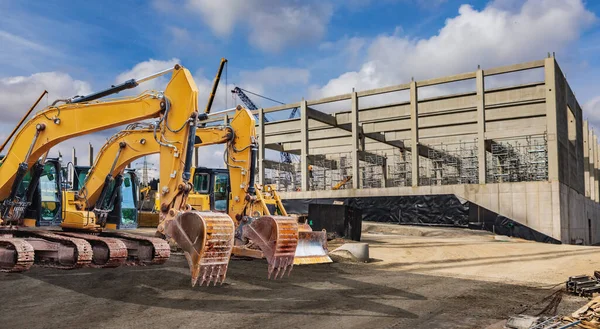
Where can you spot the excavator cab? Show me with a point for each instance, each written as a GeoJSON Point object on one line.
{"type": "Point", "coordinates": [124, 206]}
{"type": "Point", "coordinates": [211, 189]}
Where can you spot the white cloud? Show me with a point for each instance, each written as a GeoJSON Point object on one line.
{"type": "Point", "coordinates": [502, 33]}
{"type": "Point", "coordinates": [18, 93]}
{"type": "Point", "coordinates": [273, 25]}
{"type": "Point", "coordinates": [147, 68]}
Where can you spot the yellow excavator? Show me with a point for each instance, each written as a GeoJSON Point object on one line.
{"type": "Point", "coordinates": [207, 238]}
{"type": "Point", "coordinates": [213, 189]}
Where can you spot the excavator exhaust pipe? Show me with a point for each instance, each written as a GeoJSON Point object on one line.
{"type": "Point", "coordinates": [277, 238]}
{"type": "Point", "coordinates": [207, 241]}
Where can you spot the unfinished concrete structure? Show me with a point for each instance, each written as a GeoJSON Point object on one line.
{"type": "Point", "coordinates": [521, 150]}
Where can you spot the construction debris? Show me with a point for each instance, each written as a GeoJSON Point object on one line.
{"type": "Point", "coordinates": [584, 285]}
{"type": "Point", "coordinates": [587, 317]}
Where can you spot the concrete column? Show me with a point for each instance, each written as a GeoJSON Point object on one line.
{"type": "Point", "coordinates": [586, 155]}
{"type": "Point", "coordinates": [91, 153]}
{"type": "Point", "coordinates": [261, 146]}
{"type": "Point", "coordinates": [481, 126]}
{"type": "Point", "coordinates": [304, 145]}
{"type": "Point", "coordinates": [355, 140]}
{"type": "Point", "coordinates": [74, 157]}
{"type": "Point", "coordinates": [226, 119]}
{"type": "Point", "coordinates": [551, 123]}
{"type": "Point", "coordinates": [414, 133]}
{"type": "Point", "coordinates": [596, 171]}
{"type": "Point", "coordinates": [384, 171]}
{"type": "Point", "coordinates": [592, 164]}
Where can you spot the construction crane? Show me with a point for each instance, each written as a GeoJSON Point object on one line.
{"type": "Point", "coordinates": [241, 93]}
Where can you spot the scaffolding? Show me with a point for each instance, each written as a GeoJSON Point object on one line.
{"type": "Point", "coordinates": [282, 178]}
{"type": "Point", "coordinates": [448, 164]}
{"type": "Point", "coordinates": [373, 170]}
{"type": "Point", "coordinates": [399, 168]}
{"type": "Point", "coordinates": [327, 171]}
{"type": "Point", "coordinates": [518, 160]}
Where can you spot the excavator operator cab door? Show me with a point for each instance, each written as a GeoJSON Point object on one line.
{"type": "Point", "coordinates": [220, 195]}
{"type": "Point", "coordinates": [46, 204]}
{"type": "Point", "coordinates": [124, 214]}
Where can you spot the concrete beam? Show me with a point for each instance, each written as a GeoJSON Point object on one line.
{"type": "Point", "coordinates": [321, 117]}
{"type": "Point", "coordinates": [515, 67]}
{"type": "Point", "coordinates": [447, 79]}
{"type": "Point", "coordinates": [331, 120]}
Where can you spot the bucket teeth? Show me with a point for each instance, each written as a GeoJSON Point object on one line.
{"type": "Point", "coordinates": [281, 264]}
{"type": "Point", "coordinates": [211, 273]}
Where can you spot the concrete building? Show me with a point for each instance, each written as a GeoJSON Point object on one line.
{"type": "Point", "coordinates": [521, 150]}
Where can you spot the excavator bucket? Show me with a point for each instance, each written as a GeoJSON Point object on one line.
{"type": "Point", "coordinates": [312, 246]}
{"type": "Point", "coordinates": [277, 238]}
{"type": "Point", "coordinates": [207, 240]}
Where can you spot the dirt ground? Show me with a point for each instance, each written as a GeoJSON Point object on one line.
{"type": "Point", "coordinates": [418, 278]}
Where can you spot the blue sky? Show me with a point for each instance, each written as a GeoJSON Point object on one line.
{"type": "Point", "coordinates": [286, 49]}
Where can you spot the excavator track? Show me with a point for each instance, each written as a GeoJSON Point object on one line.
{"type": "Point", "coordinates": [107, 252]}
{"type": "Point", "coordinates": [142, 250]}
{"type": "Point", "coordinates": [16, 255]}
{"type": "Point", "coordinates": [53, 250]}
{"type": "Point", "coordinates": [277, 238]}
{"type": "Point", "coordinates": [207, 241]}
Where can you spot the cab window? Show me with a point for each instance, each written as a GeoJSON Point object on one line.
{"type": "Point", "coordinates": [201, 182]}
{"type": "Point", "coordinates": [221, 192]}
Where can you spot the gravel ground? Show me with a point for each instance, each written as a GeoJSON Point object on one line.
{"type": "Point", "coordinates": [393, 291]}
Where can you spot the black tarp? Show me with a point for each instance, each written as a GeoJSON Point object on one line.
{"type": "Point", "coordinates": [429, 210]}
{"type": "Point", "coordinates": [419, 209]}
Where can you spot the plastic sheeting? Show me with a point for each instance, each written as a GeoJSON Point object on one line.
{"type": "Point", "coordinates": [419, 209]}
